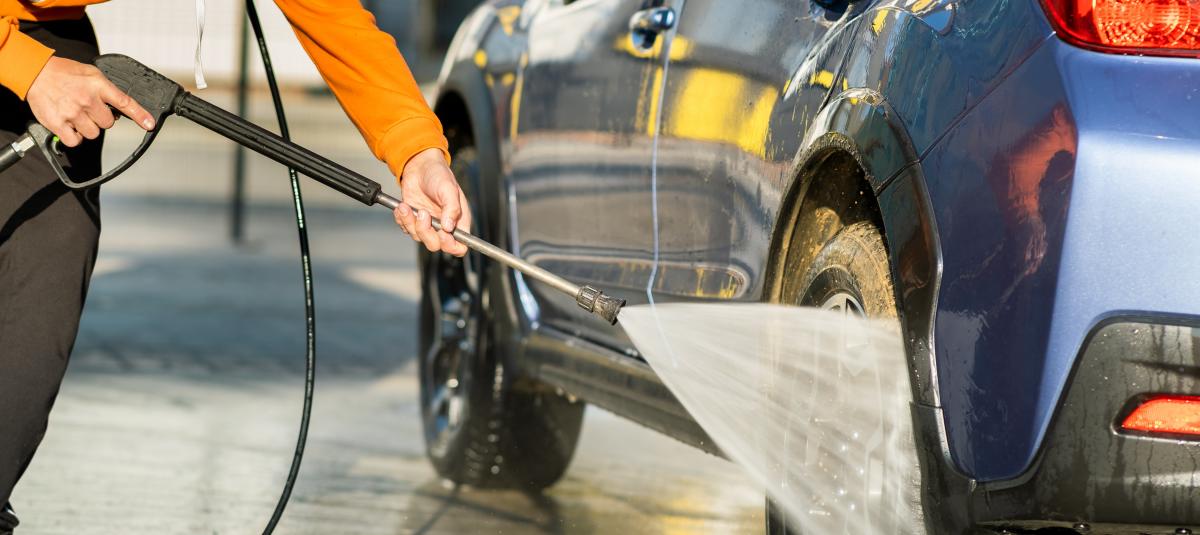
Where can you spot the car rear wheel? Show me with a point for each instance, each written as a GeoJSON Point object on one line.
{"type": "Point", "coordinates": [484, 426]}
{"type": "Point", "coordinates": [850, 275]}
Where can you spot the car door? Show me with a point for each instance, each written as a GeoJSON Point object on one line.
{"type": "Point", "coordinates": [581, 143]}
{"type": "Point", "coordinates": [741, 86]}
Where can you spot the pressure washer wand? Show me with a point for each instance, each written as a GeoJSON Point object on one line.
{"type": "Point", "coordinates": [162, 97]}
{"type": "Point", "coordinates": [587, 297]}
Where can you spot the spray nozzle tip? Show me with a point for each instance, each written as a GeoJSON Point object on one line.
{"type": "Point", "coordinates": [608, 308]}
{"type": "Point", "coordinates": [594, 301]}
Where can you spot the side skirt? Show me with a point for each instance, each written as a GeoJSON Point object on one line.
{"type": "Point", "coordinates": [615, 382]}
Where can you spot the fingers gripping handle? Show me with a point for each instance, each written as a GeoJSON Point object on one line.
{"type": "Point", "coordinates": [155, 92]}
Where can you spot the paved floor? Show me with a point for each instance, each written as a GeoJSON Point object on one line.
{"type": "Point", "coordinates": [181, 404]}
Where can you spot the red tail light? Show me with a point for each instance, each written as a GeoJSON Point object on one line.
{"type": "Point", "coordinates": [1174, 415]}
{"type": "Point", "coordinates": [1157, 27]}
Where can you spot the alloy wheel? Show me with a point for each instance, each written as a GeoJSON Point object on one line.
{"type": "Point", "coordinates": [454, 325]}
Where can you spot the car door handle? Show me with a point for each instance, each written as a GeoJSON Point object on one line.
{"type": "Point", "coordinates": [645, 25]}
{"type": "Point", "coordinates": [653, 20]}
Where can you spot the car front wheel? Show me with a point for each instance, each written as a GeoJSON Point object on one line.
{"type": "Point", "coordinates": [851, 276]}
{"type": "Point", "coordinates": [484, 426]}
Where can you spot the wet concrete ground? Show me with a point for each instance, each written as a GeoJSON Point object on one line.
{"type": "Point", "coordinates": [182, 401]}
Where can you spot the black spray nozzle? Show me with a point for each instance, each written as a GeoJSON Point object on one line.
{"type": "Point", "coordinates": [594, 301]}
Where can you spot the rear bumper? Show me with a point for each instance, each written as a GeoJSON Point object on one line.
{"type": "Point", "coordinates": [1090, 471]}
{"type": "Point", "coordinates": [1066, 198]}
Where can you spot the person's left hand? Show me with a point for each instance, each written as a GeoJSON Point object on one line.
{"type": "Point", "coordinates": [429, 189]}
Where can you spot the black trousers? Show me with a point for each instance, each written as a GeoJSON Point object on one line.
{"type": "Point", "coordinates": [48, 238]}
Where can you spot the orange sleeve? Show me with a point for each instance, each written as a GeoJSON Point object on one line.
{"type": "Point", "coordinates": [368, 76]}
{"type": "Point", "coordinates": [21, 57]}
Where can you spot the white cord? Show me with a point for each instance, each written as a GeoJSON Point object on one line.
{"type": "Point", "coordinates": [201, 83]}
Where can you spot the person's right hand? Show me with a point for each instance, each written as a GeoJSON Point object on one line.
{"type": "Point", "coordinates": [72, 100]}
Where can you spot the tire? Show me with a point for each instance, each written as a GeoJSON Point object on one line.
{"type": "Point", "coordinates": [851, 273]}
{"type": "Point", "coordinates": [483, 426]}
{"type": "Point", "coordinates": [777, 523]}
{"type": "Point", "coordinates": [853, 264]}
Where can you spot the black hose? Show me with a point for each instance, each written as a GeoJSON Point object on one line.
{"type": "Point", "coordinates": [310, 318]}
{"type": "Point", "coordinates": [9, 157]}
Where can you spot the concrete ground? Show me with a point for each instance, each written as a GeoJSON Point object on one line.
{"type": "Point", "coordinates": [182, 401]}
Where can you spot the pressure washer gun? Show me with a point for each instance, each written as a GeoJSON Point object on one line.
{"type": "Point", "coordinates": [163, 97]}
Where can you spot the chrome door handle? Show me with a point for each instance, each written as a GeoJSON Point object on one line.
{"type": "Point", "coordinates": [645, 25]}
{"type": "Point", "coordinates": [656, 19]}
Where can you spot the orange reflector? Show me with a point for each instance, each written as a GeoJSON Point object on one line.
{"type": "Point", "coordinates": [1161, 27]}
{"type": "Point", "coordinates": [1177, 415]}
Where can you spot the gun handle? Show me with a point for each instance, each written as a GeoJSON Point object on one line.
{"type": "Point", "coordinates": [153, 91]}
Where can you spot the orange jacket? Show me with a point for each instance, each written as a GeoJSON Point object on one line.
{"type": "Point", "coordinates": [358, 61]}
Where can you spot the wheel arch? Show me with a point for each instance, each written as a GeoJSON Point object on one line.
{"type": "Point", "coordinates": [859, 147]}
{"type": "Point", "coordinates": [858, 163]}
{"type": "Point", "coordinates": [825, 196]}
{"type": "Point", "coordinates": [466, 106]}
{"type": "Point", "coordinates": [459, 107]}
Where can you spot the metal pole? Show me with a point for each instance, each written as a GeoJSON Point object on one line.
{"type": "Point", "coordinates": [237, 201]}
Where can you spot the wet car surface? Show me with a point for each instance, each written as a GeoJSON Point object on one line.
{"type": "Point", "coordinates": [1034, 213]}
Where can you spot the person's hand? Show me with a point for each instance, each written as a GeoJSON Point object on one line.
{"type": "Point", "coordinates": [430, 190]}
{"type": "Point", "coordinates": [71, 99]}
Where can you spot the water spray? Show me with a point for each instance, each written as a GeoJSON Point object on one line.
{"type": "Point", "coordinates": [813, 404]}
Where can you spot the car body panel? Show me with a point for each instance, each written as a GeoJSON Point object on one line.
{"type": "Point", "coordinates": [581, 149]}
{"type": "Point", "coordinates": [934, 60]}
{"type": "Point", "coordinates": [726, 139]}
{"type": "Point", "coordinates": [1051, 211]}
{"type": "Point", "coordinates": [1003, 188]}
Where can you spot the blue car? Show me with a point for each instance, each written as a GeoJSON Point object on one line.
{"type": "Point", "coordinates": [1016, 181]}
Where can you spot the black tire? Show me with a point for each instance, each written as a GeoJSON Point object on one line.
{"type": "Point", "coordinates": [854, 263]}
{"type": "Point", "coordinates": [777, 523]}
{"type": "Point", "coordinates": [850, 273]}
{"type": "Point", "coordinates": [483, 426]}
